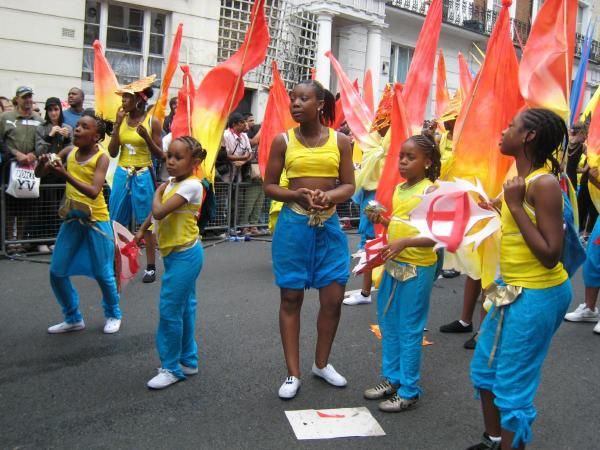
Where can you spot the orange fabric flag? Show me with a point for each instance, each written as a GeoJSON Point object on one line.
{"type": "Point", "coordinates": [465, 77]}
{"type": "Point", "coordinates": [222, 88]}
{"type": "Point", "coordinates": [173, 60]}
{"type": "Point", "coordinates": [546, 64]}
{"type": "Point", "coordinates": [442, 97]}
{"type": "Point", "coordinates": [182, 122]}
{"type": "Point", "coordinates": [390, 176]}
{"type": "Point", "coordinates": [356, 112]}
{"type": "Point", "coordinates": [368, 92]}
{"type": "Point", "coordinates": [420, 73]}
{"type": "Point", "coordinates": [493, 102]}
{"type": "Point", "coordinates": [105, 85]}
{"type": "Point", "coordinates": [277, 118]}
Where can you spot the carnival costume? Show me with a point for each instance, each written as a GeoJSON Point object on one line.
{"type": "Point", "coordinates": [403, 300]}
{"type": "Point", "coordinates": [84, 245]}
{"type": "Point", "coordinates": [515, 336]}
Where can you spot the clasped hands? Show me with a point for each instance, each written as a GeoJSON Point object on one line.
{"type": "Point", "coordinates": [313, 200]}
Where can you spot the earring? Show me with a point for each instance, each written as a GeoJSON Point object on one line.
{"type": "Point", "coordinates": [426, 167]}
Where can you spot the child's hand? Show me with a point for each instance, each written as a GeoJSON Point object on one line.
{"type": "Point", "coordinates": [373, 216]}
{"type": "Point", "coordinates": [161, 189]}
{"type": "Point", "coordinates": [138, 236]}
{"type": "Point", "coordinates": [143, 132]}
{"type": "Point", "coordinates": [393, 249]}
{"type": "Point", "coordinates": [321, 198]}
{"type": "Point", "coordinates": [514, 192]}
{"type": "Point", "coordinates": [57, 168]}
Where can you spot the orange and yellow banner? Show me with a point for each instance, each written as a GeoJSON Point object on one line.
{"type": "Point", "coordinates": [105, 86]}
{"type": "Point", "coordinates": [173, 60]}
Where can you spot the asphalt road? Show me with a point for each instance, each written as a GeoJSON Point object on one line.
{"type": "Point", "coordinates": [88, 390]}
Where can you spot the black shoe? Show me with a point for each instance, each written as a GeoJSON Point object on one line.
{"type": "Point", "coordinates": [486, 444]}
{"type": "Point", "coordinates": [450, 273]}
{"type": "Point", "coordinates": [471, 343]}
{"type": "Point", "coordinates": [149, 276]}
{"type": "Point", "coordinates": [456, 327]}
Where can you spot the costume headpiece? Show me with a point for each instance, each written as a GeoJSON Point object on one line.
{"type": "Point", "coordinates": [137, 86]}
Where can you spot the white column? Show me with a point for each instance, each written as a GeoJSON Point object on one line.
{"type": "Point", "coordinates": [373, 60]}
{"type": "Point", "coordinates": [323, 44]}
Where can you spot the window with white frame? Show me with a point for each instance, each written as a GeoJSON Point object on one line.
{"type": "Point", "coordinates": [400, 59]}
{"type": "Point", "coordinates": [133, 38]}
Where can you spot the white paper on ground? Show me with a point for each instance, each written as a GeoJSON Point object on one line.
{"type": "Point", "coordinates": [333, 423]}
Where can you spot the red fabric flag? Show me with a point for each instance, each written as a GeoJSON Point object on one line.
{"type": "Point", "coordinates": [277, 118]}
{"type": "Point", "coordinates": [313, 73]}
{"type": "Point", "coordinates": [182, 122]}
{"type": "Point", "coordinates": [465, 77]}
{"type": "Point", "coordinates": [356, 112]}
{"type": "Point", "coordinates": [420, 73]}
{"type": "Point", "coordinates": [222, 88]}
{"type": "Point", "coordinates": [368, 92]}
{"type": "Point", "coordinates": [173, 61]}
{"type": "Point", "coordinates": [494, 100]}
{"type": "Point", "coordinates": [442, 97]}
{"type": "Point", "coordinates": [105, 85]}
{"type": "Point", "coordinates": [390, 176]}
{"type": "Point", "coordinates": [546, 64]}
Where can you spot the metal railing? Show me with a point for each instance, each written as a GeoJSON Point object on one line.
{"type": "Point", "coordinates": [239, 206]}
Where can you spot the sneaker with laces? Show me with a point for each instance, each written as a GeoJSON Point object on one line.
{"type": "Point", "coordinates": [289, 388]}
{"type": "Point", "coordinates": [357, 299]}
{"type": "Point", "coordinates": [597, 328]}
{"type": "Point", "coordinates": [187, 371]}
{"type": "Point", "coordinates": [398, 404]}
{"type": "Point", "coordinates": [149, 276]}
{"type": "Point", "coordinates": [65, 327]}
{"type": "Point", "coordinates": [112, 325]}
{"type": "Point", "coordinates": [163, 379]}
{"type": "Point", "coordinates": [583, 314]}
{"type": "Point", "coordinates": [329, 374]}
{"type": "Point", "coordinates": [486, 444]}
{"type": "Point", "coordinates": [383, 389]}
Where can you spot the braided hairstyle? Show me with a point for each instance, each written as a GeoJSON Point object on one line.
{"type": "Point", "coordinates": [550, 136]}
{"type": "Point", "coordinates": [432, 150]}
{"type": "Point", "coordinates": [328, 112]}
{"type": "Point", "coordinates": [194, 146]}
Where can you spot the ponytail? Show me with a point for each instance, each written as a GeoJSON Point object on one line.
{"type": "Point", "coordinates": [327, 116]}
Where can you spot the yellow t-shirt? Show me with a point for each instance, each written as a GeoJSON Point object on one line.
{"type": "Point", "coordinates": [84, 172]}
{"type": "Point", "coordinates": [403, 203]}
{"type": "Point", "coordinates": [518, 265]}
{"type": "Point", "coordinates": [134, 150]}
{"type": "Point", "coordinates": [179, 229]}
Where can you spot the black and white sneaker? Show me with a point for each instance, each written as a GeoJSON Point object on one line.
{"type": "Point", "coordinates": [289, 388]}
{"type": "Point", "coordinates": [486, 444]}
{"type": "Point", "coordinates": [149, 276]}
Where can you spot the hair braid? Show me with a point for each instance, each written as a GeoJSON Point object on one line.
{"type": "Point", "coordinates": [194, 146]}
{"type": "Point", "coordinates": [328, 112]}
{"type": "Point", "coordinates": [550, 134]}
{"type": "Point", "coordinates": [432, 151]}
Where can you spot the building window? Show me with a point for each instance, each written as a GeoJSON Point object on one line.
{"type": "Point", "coordinates": [133, 38]}
{"type": "Point", "coordinates": [400, 59]}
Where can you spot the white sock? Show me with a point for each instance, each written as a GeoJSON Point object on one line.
{"type": "Point", "coordinates": [464, 324]}
{"type": "Point", "coordinates": [495, 438]}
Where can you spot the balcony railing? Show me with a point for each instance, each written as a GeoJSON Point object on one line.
{"type": "Point", "coordinates": [465, 14]}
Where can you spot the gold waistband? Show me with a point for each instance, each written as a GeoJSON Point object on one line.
{"type": "Point", "coordinates": [135, 170]}
{"type": "Point", "coordinates": [315, 218]}
{"type": "Point", "coordinates": [400, 272]}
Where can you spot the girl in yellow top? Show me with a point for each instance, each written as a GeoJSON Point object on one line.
{"type": "Point", "coordinates": [403, 299]}
{"type": "Point", "coordinates": [506, 367]}
{"type": "Point", "coordinates": [84, 245]}
{"type": "Point", "coordinates": [136, 139]}
{"type": "Point", "coordinates": [175, 209]}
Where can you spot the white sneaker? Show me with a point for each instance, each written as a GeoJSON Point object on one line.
{"type": "Point", "coordinates": [329, 374]}
{"type": "Point", "coordinates": [189, 370]}
{"type": "Point", "coordinates": [289, 388]}
{"type": "Point", "coordinates": [162, 380]}
{"type": "Point", "coordinates": [597, 328]}
{"type": "Point", "coordinates": [65, 327]}
{"type": "Point", "coordinates": [583, 314]}
{"type": "Point", "coordinates": [112, 325]}
{"type": "Point", "coordinates": [357, 299]}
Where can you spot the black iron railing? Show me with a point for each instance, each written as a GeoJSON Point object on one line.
{"type": "Point", "coordinates": [466, 14]}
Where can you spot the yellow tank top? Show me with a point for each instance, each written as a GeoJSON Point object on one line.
{"type": "Point", "coordinates": [178, 230]}
{"type": "Point", "coordinates": [301, 161]}
{"type": "Point", "coordinates": [134, 150]}
{"type": "Point", "coordinates": [404, 201]}
{"type": "Point", "coordinates": [518, 264]}
{"type": "Point", "coordinates": [84, 172]}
